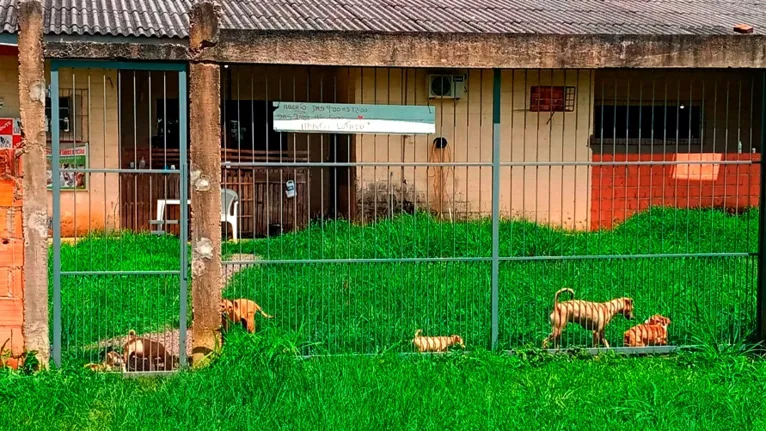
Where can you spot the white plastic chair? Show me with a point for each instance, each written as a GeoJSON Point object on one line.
{"type": "Point", "coordinates": [229, 210]}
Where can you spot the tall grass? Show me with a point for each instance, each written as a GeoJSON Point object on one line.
{"type": "Point", "coordinates": [369, 307]}
{"type": "Point", "coordinates": [259, 384]}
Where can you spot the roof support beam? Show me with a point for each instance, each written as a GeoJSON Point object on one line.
{"type": "Point", "coordinates": [488, 50]}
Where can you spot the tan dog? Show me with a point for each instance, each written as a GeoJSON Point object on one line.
{"type": "Point", "coordinates": [112, 362]}
{"type": "Point", "coordinates": [653, 332]}
{"type": "Point", "coordinates": [593, 316]}
{"type": "Point", "coordinates": [436, 344]}
{"type": "Point", "coordinates": [143, 354]}
{"type": "Point", "coordinates": [240, 311]}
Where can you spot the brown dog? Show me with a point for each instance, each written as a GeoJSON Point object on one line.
{"type": "Point", "coordinates": [240, 311]}
{"type": "Point", "coordinates": [436, 344]}
{"type": "Point", "coordinates": [143, 354]}
{"type": "Point", "coordinates": [653, 332]}
{"type": "Point", "coordinates": [593, 316]}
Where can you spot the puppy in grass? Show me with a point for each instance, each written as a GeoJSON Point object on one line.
{"type": "Point", "coordinates": [593, 316]}
{"type": "Point", "coordinates": [436, 344]}
{"type": "Point", "coordinates": [653, 332]}
{"type": "Point", "coordinates": [241, 311]}
{"type": "Point", "coordinates": [144, 354]}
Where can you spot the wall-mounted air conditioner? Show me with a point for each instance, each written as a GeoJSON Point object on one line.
{"type": "Point", "coordinates": [446, 86]}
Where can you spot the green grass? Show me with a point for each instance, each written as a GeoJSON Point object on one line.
{"type": "Point", "coordinates": [376, 307]}
{"type": "Point", "coordinates": [258, 383]}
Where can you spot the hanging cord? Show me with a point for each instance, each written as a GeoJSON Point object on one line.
{"type": "Point", "coordinates": [439, 175]}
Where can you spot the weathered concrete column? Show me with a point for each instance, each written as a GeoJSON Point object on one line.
{"type": "Point", "coordinates": [35, 207]}
{"type": "Point", "coordinates": [205, 181]}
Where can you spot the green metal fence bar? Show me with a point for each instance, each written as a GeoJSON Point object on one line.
{"type": "Point", "coordinates": [760, 309]}
{"type": "Point", "coordinates": [183, 109]}
{"type": "Point", "coordinates": [496, 96]}
{"type": "Point", "coordinates": [56, 210]}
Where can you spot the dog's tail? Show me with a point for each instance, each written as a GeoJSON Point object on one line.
{"type": "Point", "coordinates": [418, 332]}
{"type": "Point", "coordinates": [263, 313]}
{"type": "Point", "coordinates": [559, 292]}
{"type": "Point", "coordinates": [131, 334]}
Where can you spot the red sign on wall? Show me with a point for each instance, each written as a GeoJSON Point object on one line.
{"type": "Point", "coordinates": [10, 133]}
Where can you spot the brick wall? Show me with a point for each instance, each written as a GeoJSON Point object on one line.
{"type": "Point", "coordinates": [618, 192]}
{"type": "Point", "coordinates": [11, 241]}
{"type": "Point", "coordinates": [11, 253]}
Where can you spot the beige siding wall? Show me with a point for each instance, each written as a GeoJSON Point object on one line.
{"type": "Point", "coordinates": [544, 193]}
{"type": "Point", "coordinates": [9, 83]}
{"type": "Point", "coordinates": [98, 207]}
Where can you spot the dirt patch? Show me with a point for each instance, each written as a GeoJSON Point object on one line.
{"type": "Point", "coordinates": [229, 270]}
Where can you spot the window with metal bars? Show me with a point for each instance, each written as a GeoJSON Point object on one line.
{"type": "Point", "coordinates": [552, 99]}
{"type": "Point", "coordinates": [649, 124]}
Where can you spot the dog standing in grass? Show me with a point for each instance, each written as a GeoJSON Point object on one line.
{"type": "Point", "coordinates": [240, 311]}
{"type": "Point", "coordinates": [593, 316]}
{"type": "Point", "coordinates": [436, 344]}
{"type": "Point", "coordinates": [653, 332]}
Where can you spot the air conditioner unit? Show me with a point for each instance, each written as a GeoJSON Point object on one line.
{"type": "Point", "coordinates": [446, 86]}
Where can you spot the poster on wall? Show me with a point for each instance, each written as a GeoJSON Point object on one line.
{"type": "Point", "coordinates": [70, 158]}
{"type": "Point", "coordinates": [10, 133]}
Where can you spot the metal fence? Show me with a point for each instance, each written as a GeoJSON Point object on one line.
{"type": "Point", "coordinates": [462, 217]}
{"type": "Point", "coordinates": [117, 153]}
{"type": "Point", "coordinates": [615, 183]}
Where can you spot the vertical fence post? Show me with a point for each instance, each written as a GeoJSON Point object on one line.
{"type": "Point", "coordinates": [34, 185]}
{"type": "Point", "coordinates": [495, 202]}
{"type": "Point", "coordinates": [760, 317]}
{"type": "Point", "coordinates": [205, 180]}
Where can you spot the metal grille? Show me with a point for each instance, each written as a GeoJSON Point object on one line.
{"type": "Point", "coordinates": [114, 159]}
{"type": "Point", "coordinates": [646, 189]}
{"type": "Point", "coordinates": [363, 205]}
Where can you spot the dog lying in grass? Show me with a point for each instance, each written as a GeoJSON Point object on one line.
{"type": "Point", "coordinates": [240, 311]}
{"type": "Point", "coordinates": [593, 316]}
{"type": "Point", "coordinates": [143, 354]}
{"type": "Point", "coordinates": [436, 344]}
{"type": "Point", "coordinates": [653, 332]}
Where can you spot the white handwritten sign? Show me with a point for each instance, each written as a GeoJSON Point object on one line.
{"type": "Point", "coordinates": [354, 119]}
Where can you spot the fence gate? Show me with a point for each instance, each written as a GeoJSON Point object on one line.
{"type": "Point", "coordinates": [118, 175]}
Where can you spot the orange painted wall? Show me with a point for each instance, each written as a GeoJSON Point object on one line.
{"type": "Point", "coordinates": [11, 253]}
{"type": "Point", "coordinates": [618, 192]}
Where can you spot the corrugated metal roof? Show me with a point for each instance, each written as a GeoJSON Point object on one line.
{"type": "Point", "coordinates": [170, 18]}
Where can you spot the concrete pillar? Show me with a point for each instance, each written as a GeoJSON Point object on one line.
{"type": "Point", "coordinates": [205, 181]}
{"type": "Point", "coordinates": [32, 91]}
